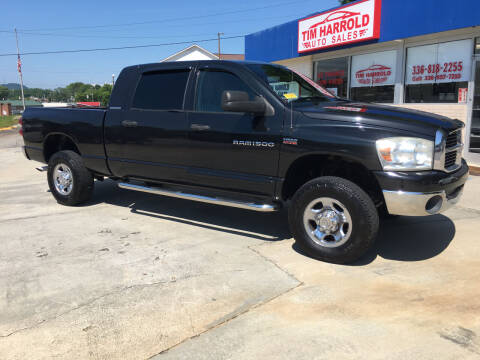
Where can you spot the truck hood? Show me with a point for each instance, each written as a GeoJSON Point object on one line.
{"type": "Point", "coordinates": [380, 115]}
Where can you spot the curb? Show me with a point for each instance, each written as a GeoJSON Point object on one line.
{"type": "Point", "coordinates": [474, 170]}
{"type": "Point", "coordinates": [8, 128]}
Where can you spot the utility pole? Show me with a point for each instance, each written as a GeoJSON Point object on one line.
{"type": "Point", "coordinates": [19, 68]}
{"type": "Point", "coordinates": [219, 52]}
{"type": "Point", "coordinates": [113, 80]}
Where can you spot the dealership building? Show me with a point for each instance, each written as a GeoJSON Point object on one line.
{"type": "Point", "coordinates": [422, 55]}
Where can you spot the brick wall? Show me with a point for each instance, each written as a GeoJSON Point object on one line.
{"type": "Point", "coordinates": [5, 109]}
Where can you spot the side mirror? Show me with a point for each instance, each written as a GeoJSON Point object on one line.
{"type": "Point", "coordinates": [237, 101]}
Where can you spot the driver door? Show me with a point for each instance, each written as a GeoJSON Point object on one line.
{"type": "Point", "coordinates": [231, 150]}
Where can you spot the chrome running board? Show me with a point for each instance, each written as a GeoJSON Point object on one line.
{"type": "Point", "coordinates": [200, 198]}
{"type": "Point", "coordinates": [42, 168]}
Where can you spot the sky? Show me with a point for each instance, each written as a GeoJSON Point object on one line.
{"type": "Point", "coordinates": [68, 25]}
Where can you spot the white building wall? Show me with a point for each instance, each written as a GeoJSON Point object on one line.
{"type": "Point", "coordinates": [303, 65]}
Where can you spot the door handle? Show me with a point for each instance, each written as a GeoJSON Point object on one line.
{"type": "Point", "coordinates": [129, 123]}
{"type": "Point", "coordinates": [199, 127]}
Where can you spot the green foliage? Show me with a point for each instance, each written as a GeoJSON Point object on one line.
{"type": "Point", "coordinates": [3, 92]}
{"type": "Point", "coordinates": [344, 2]}
{"type": "Point", "coordinates": [7, 121]}
{"type": "Point", "coordinates": [73, 92]}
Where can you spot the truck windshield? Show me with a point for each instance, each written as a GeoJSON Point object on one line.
{"type": "Point", "coordinates": [291, 86]}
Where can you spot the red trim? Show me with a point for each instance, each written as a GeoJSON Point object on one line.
{"type": "Point", "coordinates": [377, 14]}
{"type": "Point", "coordinates": [378, 19]}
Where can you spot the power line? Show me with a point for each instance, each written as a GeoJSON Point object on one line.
{"type": "Point", "coordinates": [168, 20]}
{"type": "Point", "coordinates": [119, 48]}
{"type": "Point", "coordinates": [32, 33]}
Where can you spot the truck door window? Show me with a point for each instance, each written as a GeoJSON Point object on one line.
{"type": "Point", "coordinates": [210, 87]}
{"type": "Point", "coordinates": [163, 90]}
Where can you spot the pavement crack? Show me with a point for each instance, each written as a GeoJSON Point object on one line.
{"type": "Point", "coordinates": [275, 264]}
{"type": "Point", "coordinates": [226, 321]}
{"type": "Point", "coordinates": [91, 301]}
{"type": "Point", "coordinates": [245, 310]}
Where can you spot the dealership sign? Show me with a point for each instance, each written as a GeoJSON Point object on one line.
{"type": "Point", "coordinates": [348, 24]}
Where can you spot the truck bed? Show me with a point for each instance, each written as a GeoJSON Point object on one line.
{"type": "Point", "coordinates": [83, 126]}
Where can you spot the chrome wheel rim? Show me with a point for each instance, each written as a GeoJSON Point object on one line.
{"type": "Point", "coordinates": [327, 222]}
{"type": "Point", "coordinates": [63, 179]}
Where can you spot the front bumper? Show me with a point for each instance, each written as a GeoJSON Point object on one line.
{"type": "Point", "coordinates": [422, 193]}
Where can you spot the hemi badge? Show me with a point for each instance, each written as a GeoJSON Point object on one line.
{"type": "Point", "coordinates": [290, 141]}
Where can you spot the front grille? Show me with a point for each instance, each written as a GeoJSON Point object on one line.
{"type": "Point", "coordinates": [450, 159]}
{"type": "Point", "coordinates": [453, 139]}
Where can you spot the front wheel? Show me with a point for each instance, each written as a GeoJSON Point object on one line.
{"type": "Point", "coordinates": [69, 180]}
{"type": "Point", "coordinates": [333, 219]}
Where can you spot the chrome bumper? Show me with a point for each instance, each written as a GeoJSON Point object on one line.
{"type": "Point", "coordinates": [420, 204]}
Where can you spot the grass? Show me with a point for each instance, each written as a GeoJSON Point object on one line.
{"type": "Point", "coordinates": [6, 121]}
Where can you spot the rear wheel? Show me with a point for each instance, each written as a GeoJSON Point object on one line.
{"type": "Point", "coordinates": [69, 180]}
{"type": "Point", "coordinates": [333, 219]}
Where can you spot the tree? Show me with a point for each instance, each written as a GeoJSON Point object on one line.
{"type": "Point", "coordinates": [344, 2]}
{"type": "Point", "coordinates": [3, 92]}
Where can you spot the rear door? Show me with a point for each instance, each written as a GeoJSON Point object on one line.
{"type": "Point", "coordinates": [230, 150]}
{"type": "Point", "coordinates": [148, 139]}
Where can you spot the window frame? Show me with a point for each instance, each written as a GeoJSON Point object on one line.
{"type": "Point", "coordinates": [349, 64]}
{"type": "Point", "coordinates": [160, 70]}
{"type": "Point", "coordinates": [198, 70]}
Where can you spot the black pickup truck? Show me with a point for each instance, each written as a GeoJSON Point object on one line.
{"type": "Point", "coordinates": [255, 136]}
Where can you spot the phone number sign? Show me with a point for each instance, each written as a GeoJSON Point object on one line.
{"type": "Point", "coordinates": [348, 24]}
{"type": "Point", "coordinates": [439, 63]}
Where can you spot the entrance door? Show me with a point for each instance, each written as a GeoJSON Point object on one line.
{"type": "Point", "coordinates": [473, 130]}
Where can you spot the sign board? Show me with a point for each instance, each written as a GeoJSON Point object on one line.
{"type": "Point", "coordinates": [462, 95]}
{"type": "Point", "coordinates": [439, 63]}
{"type": "Point", "coordinates": [376, 69]}
{"type": "Point", "coordinates": [283, 87]}
{"type": "Point", "coordinates": [359, 21]}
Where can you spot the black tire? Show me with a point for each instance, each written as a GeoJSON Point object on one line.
{"type": "Point", "coordinates": [361, 209]}
{"type": "Point", "coordinates": [82, 185]}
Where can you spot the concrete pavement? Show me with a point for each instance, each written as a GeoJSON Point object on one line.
{"type": "Point", "coordinates": [132, 275]}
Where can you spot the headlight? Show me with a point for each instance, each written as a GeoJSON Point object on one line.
{"type": "Point", "coordinates": [405, 153]}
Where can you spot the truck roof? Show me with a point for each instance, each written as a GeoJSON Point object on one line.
{"type": "Point", "coordinates": [168, 64]}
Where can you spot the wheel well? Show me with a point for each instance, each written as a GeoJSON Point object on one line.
{"type": "Point", "coordinates": [312, 166]}
{"type": "Point", "coordinates": [58, 142]}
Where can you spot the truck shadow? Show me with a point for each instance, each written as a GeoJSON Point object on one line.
{"type": "Point", "coordinates": [261, 226]}
{"type": "Point", "coordinates": [400, 239]}
{"type": "Point", "coordinates": [411, 239]}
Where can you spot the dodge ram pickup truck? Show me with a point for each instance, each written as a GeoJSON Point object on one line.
{"type": "Point", "coordinates": [255, 136]}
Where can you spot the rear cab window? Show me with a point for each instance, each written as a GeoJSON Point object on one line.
{"type": "Point", "coordinates": [161, 90]}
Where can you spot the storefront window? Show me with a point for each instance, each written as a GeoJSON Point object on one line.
{"type": "Point", "coordinates": [438, 73]}
{"type": "Point", "coordinates": [333, 75]}
{"type": "Point", "coordinates": [372, 77]}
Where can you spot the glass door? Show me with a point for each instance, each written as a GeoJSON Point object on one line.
{"type": "Point", "coordinates": [473, 130]}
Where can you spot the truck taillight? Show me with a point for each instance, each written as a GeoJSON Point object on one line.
{"type": "Point", "coordinates": [20, 122]}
